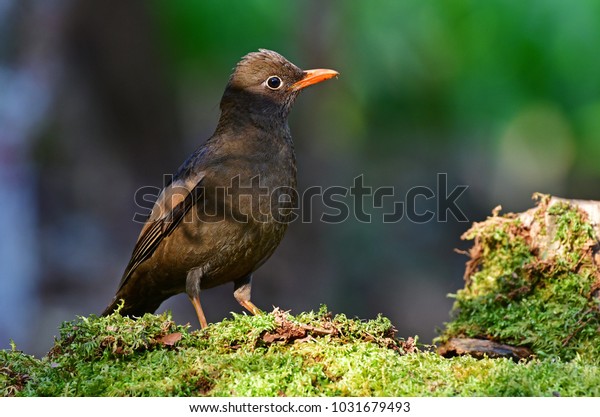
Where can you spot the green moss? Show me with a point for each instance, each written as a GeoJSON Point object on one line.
{"type": "Point", "coordinates": [519, 293]}
{"type": "Point", "coordinates": [116, 356]}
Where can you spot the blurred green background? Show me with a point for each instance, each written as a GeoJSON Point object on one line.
{"type": "Point", "coordinates": [100, 98]}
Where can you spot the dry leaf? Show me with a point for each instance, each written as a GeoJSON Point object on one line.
{"type": "Point", "coordinates": [170, 339]}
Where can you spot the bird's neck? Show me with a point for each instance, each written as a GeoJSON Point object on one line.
{"type": "Point", "coordinates": [243, 110]}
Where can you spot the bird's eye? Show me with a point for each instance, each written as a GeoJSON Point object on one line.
{"type": "Point", "coordinates": [274, 82]}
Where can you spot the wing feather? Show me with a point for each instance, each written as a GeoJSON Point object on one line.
{"type": "Point", "coordinates": [168, 211]}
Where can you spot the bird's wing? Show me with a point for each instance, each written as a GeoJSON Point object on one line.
{"type": "Point", "coordinates": [169, 209]}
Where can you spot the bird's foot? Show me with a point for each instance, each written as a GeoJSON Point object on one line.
{"type": "Point", "coordinates": [248, 305]}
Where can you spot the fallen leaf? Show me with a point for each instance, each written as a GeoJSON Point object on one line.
{"type": "Point", "coordinates": [170, 339]}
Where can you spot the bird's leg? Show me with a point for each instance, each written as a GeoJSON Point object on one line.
{"type": "Point", "coordinates": [192, 288]}
{"type": "Point", "coordinates": [241, 293]}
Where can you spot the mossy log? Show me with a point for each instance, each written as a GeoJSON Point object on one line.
{"type": "Point", "coordinates": [532, 281]}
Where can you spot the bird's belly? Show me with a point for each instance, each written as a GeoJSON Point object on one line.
{"type": "Point", "coordinates": [224, 251]}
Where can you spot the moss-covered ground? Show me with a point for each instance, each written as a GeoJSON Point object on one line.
{"type": "Point", "coordinates": [531, 281]}
{"type": "Point", "coordinates": [258, 356]}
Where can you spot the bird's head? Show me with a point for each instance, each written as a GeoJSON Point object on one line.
{"type": "Point", "coordinates": [265, 82]}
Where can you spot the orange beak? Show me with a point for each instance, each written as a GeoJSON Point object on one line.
{"type": "Point", "coordinates": [313, 76]}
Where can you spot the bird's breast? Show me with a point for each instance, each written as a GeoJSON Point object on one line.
{"type": "Point", "coordinates": [249, 192]}
{"type": "Point", "coordinates": [254, 180]}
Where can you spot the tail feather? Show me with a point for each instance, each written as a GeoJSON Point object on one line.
{"type": "Point", "coordinates": [131, 308]}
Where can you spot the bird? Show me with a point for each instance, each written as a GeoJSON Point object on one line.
{"type": "Point", "coordinates": [227, 207]}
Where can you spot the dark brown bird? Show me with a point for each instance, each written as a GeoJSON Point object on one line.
{"type": "Point", "coordinates": [225, 211]}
